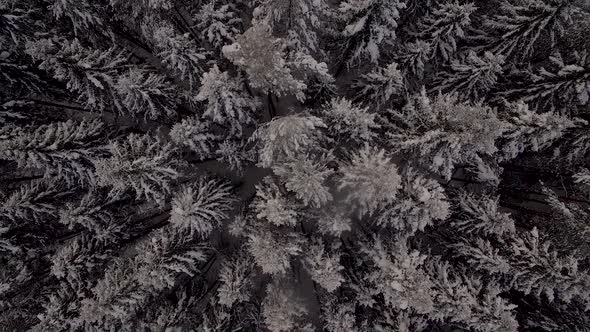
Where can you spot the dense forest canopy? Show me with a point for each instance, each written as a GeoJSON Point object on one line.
{"type": "Point", "coordinates": [294, 165]}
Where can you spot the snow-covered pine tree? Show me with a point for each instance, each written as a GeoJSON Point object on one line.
{"type": "Point", "coordinates": [287, 138]}
{"type": "Point", "coordinates": [253, 51]}
{"type": "Point", "coordinates": [195, 134]}
{"type": "Point", "coordinates": [228, 103]}
{"type": "Point", "coordinates": [137, 8]}
{"type": "Point", "coordinates": [397, 274]}
{"type": "Point", "coordinates": [379, 86]}
{"type": "Point", "coordinates": [307, 179]}
{"type": "Point", "coordinates": [274, 248]}
{"type": "Point", "coordinates": [528, 264]}
{"type": "Point", "coordinates": [300, 21]}
{"type": "Point", "coordinates": [369, 28]}
{"type": "Point", "coordinates": [413, 58]}
{"type": "Point", "coordinates": [445, 27]}
{"type": "Point", "coordinates": [445, 132]}
{"type": "Point", "coordinates": [420, 202]}
{"type": "Point", "coordinates": [471, 76]}
{"type": "Point", "coordinates": [91, 74]}
{"type": "Point", "coordinates": [347, 122]}
{"type": "Point", "coordinates": [178, 52]}
{"type": "Point", "coordinates": [32, 203]}
{"type": "Point", "coordinates": [217, 22]}
{"type": "Point", "coordinates": [324, 266]}
{"type": "Point", "coordinates": [103, 80]}
{"type": "Point", "coordinates": [201, 207]}
{"type": "Point", "coordinates": [84, 16]}
{"type": "Point", "coordinates": [236, 283]}
{"type": "Point", "coordinates": [270, 204]}
{"type": "Point", "coordinates": [129, 284]}
{"type": "Point", "coordinates": [283, 311]}
{"type": "Point", "coordinates": [146, 93]}
{"type": "Point", "coordinates": [370, 180]}
{"type": "Point", "coordinates": [469, 302]}
{"type": "Point", "coordinates": [142, 163]}
{"type": "Point", "coordinates": [94, 213]}
{"type": "Point", "coordinates": [530, 131]}
{"type": "Point", "coordinates": [334, 221]}
{"type": "Point", "coordinates": [559, 87]}
{"type": "Point", "coordinates": [482, 215]}
{"type": "Point", "coordinates": [519, 28]}
{"type": "Point", "coordinates": [63, 149]}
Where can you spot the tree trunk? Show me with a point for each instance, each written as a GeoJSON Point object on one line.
{"type": "Point", "coordinates": [271, 107]}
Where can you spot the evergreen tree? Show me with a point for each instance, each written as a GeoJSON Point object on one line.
{"type": "Point", "coordinates": [370, 179]}
{"type": "Point", "coordinates": [520, 26]}
{"type": "Point", "coordinates": [256, 48]}
{"type": "Point", "coordinates": [200, 207]}
{"type": "Point", "coordinates": [370, 27]}
{"type": "Point", "coordinates": [142, 163]}
{"type": "Point", "coordinates": [195, 134]}
{"type": "Point", "coordinates": [472, 77]}
{"type": "Point", "coordinates": [64, 149]}
{"type": "Point", "coordinates": [91, 74]}
{"type": "Point", "coordinates": [301, 19]}
{"type": "Point", "coordinates": [348, 122]}
{"type": "Point", "coordinates": [178, 52]}
{"type": "Point", "coordinates": [287, 138]}
{"type": "Point", "coordinates": [227, 102]}
{"type": "Point", "coordinates": [445, 27]}
{"type": "Point", "coordinates": [217, 22]}
{"type": "Point", "coordinates": [449, 132]}
{"type": "Point", "coordinates": [380, 85]}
